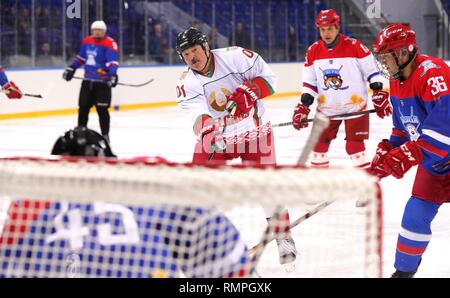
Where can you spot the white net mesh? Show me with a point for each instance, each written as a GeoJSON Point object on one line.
{"type": "Point", "coordinates": [78, 218]}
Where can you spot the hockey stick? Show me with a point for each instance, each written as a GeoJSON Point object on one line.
{"type": "Point", "coordinates": [294, 223]}
{"type": "Point", "coordinates": [231, 108]}
{"type": "Point", "coordinates": [23, 94]}
{"type": "Point", "coordinates": [119, 83]}
{"type": "Point", "coordinates": [256, 251]}
{"type": "Point", "coordinates": [320, 123]}
{"type": "Point", "coordinates": [331, 117]}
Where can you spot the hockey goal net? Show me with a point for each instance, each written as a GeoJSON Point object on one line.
{"type": "Point", "coordinates": [87, 218]}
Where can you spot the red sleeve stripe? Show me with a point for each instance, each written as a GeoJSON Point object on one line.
{"type": "Point", "coordinates": [399, 133]}
{"type": "Point", "coordinates": [313, 88]}
{"type": "Point", "coordinates": [264, 87]}
{"type": "Point", "coordinates": [200, 123]}
{"type": "Point", "coordinates": [80, 59]}
{"type": "Point", "coordinates": [111, 63]}
{"type": "Point", "coordinates": [409, 250]}
{"type": "Point", "coordinates": [430, 148]}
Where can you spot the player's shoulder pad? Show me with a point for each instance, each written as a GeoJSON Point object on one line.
{"type": "Point", "coordinates": [311, 53]}
{"type": "Point", "coordinates": [433, 75]}
{"type": "Point", "coordinates": [233, 51]}
{"type": "Point", "coordinates": [188, 86]}
{"type": "Point", "coordinates": [431, 66]}
{"type": "Point", "coordinates": [110, 43]}
{"type": "Point", "coordinates": [107, 42]}
{"type": "Point", "coordinates": [88, 40]}
{"type": "Point", "coordinates": [350, 41]}
{"type": "Point", "coordinates": [313, 46]}
{"type": "Point", "coordinates": [358, 48]}
{"type": "Point", "coordinates": [237, 56]}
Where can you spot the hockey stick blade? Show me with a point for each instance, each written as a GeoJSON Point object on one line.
{"type": "Point", "coordinates": [294, 223]}
{"type": "Point", "coordinates": [23, 94]}
{"type": "Point", "coordinates": [256, 251]}
{"type": "Point", "coordinates": [320, 122]}
{"type": "Point", "coordinates": [331, 117]}
{"type": "Point", "coordinates": [231, 108]}
{"type": "Point", "coordinates": [33, 95]}
{"type": "Point", "coordinates": [119, 83]}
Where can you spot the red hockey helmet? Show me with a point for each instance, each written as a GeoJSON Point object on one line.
{"type": "Point", "coordinates": [393, 38]}
{"type": "Point", "coordinates": [396, 40]}
{"type": "Point", "coordinates": [327, 18]}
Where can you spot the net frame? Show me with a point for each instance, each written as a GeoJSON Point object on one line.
{"type": "Point", "coordinates": [151, 182]}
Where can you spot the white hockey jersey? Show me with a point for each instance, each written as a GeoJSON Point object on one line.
{"type": "Point", "coordinates": [201, 95]}
{"type": "Point", "coordinates": [339, 77]}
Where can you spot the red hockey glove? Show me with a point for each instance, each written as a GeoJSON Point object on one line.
{"type": "Point", "coordinates": [376, 167]}
{"type": "Point", "coordinates": [381, 103]}
{"type": "Point", "coordinates": [245, 97]}
{"type": "Point", "coordinates": [212, 140]}
{"type": "Point", "coordinates": [12, 91]}
{"type": "Point", "coordinates": [301, 113]}
{"type": "Point", "coordinates": [399, 160]}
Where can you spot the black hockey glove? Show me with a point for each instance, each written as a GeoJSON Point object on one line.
{"type": "Point", "coordinates": [113, 80]}
{"type": "Point", "coordinates": [68, 73]}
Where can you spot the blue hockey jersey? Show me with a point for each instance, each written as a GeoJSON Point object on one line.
{"type": "Point", "coordinates": [99, 58]}
{"type": "Point", "coordinates": [3, 77]}
{"type": "Point", "coordinates": [421, 106]}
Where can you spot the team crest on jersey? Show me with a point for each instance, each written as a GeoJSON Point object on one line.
{"type": "Point", "coordinates": [411, 123]}
{"type": "Point", "coordinates": [427, 65]}
{"type": "Point", "coordinates": [218, 100]}
{"type": "Point", "coordinates": [91, 53]}
{"type": "Point", "coordinates": [332, 79]}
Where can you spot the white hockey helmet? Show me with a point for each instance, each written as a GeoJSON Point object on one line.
{"type": "Point", "coordinates": [100, 25]}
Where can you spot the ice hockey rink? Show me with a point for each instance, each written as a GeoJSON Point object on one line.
{"type": "Point", "coordinates": [165, 132]}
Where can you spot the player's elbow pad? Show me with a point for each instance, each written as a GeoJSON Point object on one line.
{"type": "Point", "coordinates": [307, 99]}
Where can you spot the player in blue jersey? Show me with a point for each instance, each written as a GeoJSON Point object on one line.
{"type": "Point", "coordinates": [9, 88]}
{"type": "Point", "coordinates": [98, 55]}
{"type": "Point", "coordinates": [420, 97]}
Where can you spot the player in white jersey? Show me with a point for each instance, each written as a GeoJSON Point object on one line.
{"type": "Point", "coordinates": [337, 71]}
{"type": "Point", "coordinates": [236, 76]}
